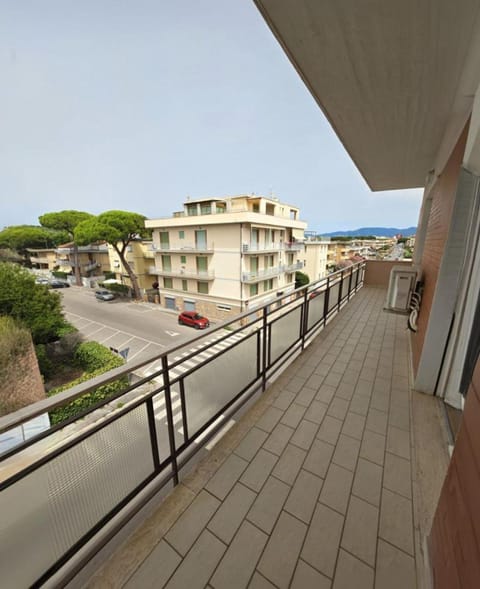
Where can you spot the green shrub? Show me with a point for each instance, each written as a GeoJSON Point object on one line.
{"type": "Point", "coordinates": [45, 365]}
{"type": "Point", "coordinates": [92, 356]}
{"type": "Point", "coordinates": [95, 359]}
{"type": "Point", "coordinates": [60, 274]}
{"type": "Point", "coordinates": [109, 275]}
{"type": "Point", "coordinates": [75, 407]}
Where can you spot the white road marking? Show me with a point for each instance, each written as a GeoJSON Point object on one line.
{"type": "Point", "coordinates": [171, 333]}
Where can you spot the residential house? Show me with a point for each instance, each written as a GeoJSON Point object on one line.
{"type": "Point", "coordinates": [222, 256]}
{"type": "Point", "coordinates": [139, 255]}
{"type": "Point", "coordinates": [43, 259]}
{"type": "Point", "coordinates": [93, 259]}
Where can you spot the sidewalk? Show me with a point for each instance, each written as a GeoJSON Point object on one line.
{"type": "Point", "coordinates": [312, 487]}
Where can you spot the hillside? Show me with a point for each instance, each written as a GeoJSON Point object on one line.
{"type": "Point", "coordinates": [377, 231]}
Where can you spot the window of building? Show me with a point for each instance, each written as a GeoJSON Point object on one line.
{"type": "Point", "coordinates": [201, 239]}
{"type": "Point", "coordinates": [221, 207]}
{"type": "Point", "coordinates": [192, 210]}
{"type": "Point", "coordinates": [164, 240]}
{"type": "Point", "coordinates": [166, 263]}
{"type": "Point", "coordinates": [185, 285]}
{"type": "Point", "coordinates": [205, 209]}
{"type": "Point", "coordinates": [168, 283]}
{"type": "Point", "coordinates": [202, 287]}
{"type": "Point", "coordinates": [183, 259]}
{"type": "Point", "coordinates": [202, 264]}
{"type": "Point", "coordinates": [253, 289]}
{"type": "Point", "coordinates": [268, 284]}
{"type": "Point", "coordinates": [293, 214]}
{"type": "Point", "coordinates": [256, 207]}
{"type": "Point", "coordinates": [181, 235]}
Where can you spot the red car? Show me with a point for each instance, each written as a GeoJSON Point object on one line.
{"type": "Point", "coordinates": [193, 319]}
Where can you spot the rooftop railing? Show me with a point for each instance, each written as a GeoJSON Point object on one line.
{"type": "Point", "coordinates": [66, 491]}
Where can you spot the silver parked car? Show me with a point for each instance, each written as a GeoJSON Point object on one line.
{"type": "Point", "coordinates": [104, 295]}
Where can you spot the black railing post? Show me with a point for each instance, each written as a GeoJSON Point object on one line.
{"type": "Point", "coordinates": [304, 320]}
{"type": "Point", "coordinates": [326, 301]}
{"type": "Point", "coordinates": [266, 340]}
{"type": "Point", "coordinates": [153, 434]}
{"type": "Point", "coordinates": [350, 283]}
{"type": "Point", "coordinates": [340, 290]}
{"type": "Point", "coordinates": [184, 409]}
{"type": "Point", "coordinates": [168, 407]}
{"type": "Point", "coordinates": [358, 276]}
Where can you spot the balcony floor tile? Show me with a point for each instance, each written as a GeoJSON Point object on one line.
{"type": "Point", "coordinates": [317, 490]}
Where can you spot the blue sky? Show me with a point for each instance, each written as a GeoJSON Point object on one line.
{"type": "Point", "coordinates": [138, 104]}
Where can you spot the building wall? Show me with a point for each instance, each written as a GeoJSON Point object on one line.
{"type": "Point", "coordinates": [455, 536]}
{"type": "Point", "coordinates": [443, 197]}
{"type": "Point", "coordinates": [315, 260]}
{"type": "Point", "coordinates": [377, 272]}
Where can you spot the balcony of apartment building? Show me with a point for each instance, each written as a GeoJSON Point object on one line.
{"type": "Point", "coordinates": [186, 248]}
{"type": "Point", "coordinates": [39, 260]}
{"type": "Point", "coordinates": [83, 249]}
{"type": "Point", "coordinates": [294, 246]}
{"type": "Point", "coordinates": [283, 456]}
{"type": "Point", "coordinates": [254, 248]}
{"type": "Point", "coordinates": [261, 274]}
{"type": "Point", "coordinates": [197, 273]}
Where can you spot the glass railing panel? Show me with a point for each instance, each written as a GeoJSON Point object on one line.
{"type": "Point", "coordinates": [47, 511]}
{"type": "Point", "coordinates": [333, 296]}
{"type": "Point", "coordinates": [214, 384]}
{"type": "Point", "coordinates": [285, 331]}
{"type": "Point", "coordinates": [316, 307]}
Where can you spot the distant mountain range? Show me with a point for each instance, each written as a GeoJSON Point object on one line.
{"type": "Point", "coordinates": [377, 231]}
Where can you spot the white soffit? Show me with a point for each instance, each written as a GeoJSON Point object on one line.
{"type": "Point", "coordinates": [395, 78]}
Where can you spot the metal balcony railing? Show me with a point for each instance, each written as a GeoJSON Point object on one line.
{"type": "Point", "coordinates": [257, 275]}
{"type": "Point", "coordinates": [183, 273]}
{"type": "Point", "coordinates": [76, 484]}
{"type": "Point", "coordinates": [294, 246]}
{"type": "Point", "coordinates": [186, 248]}
{"type": "Point", "coordinates": [253, 248]}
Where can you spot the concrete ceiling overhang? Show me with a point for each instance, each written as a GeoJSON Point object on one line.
{"type": "Point", "coordinates": [395, 78]}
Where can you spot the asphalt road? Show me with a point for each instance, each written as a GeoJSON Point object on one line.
{"type": "Point", "coordinates": [145, 329]}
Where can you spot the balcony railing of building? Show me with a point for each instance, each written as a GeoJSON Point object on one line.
{"type": "Point", "coordinates": [254, 248]}
{"type": "Point", "coordinates": [298, 265]}
{"type": "Point", "coordinates": [183, 273]}
{"type": "Point", "coordinates": [257, 275]}
{"type": "Point", "coordinates": [294, 246]}
{"type": "Point", "coordinates": [38, 260]}
{"type": "Point", "coordinates": [83, 249]}
{"type": "Point", "coordinates": [63, 495]}
{"type": "Point", "coordinates": [185, 249]}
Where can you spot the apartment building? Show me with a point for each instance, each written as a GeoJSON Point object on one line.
{"type": "Point", "coordinates": [93, 259]}
{"type": "Point", "coordinates": [43, 259]}
{"type": "Point", "coordinates": [140, 257]}
{"type": "Point", "coordinates": [315, 259]}
{"type": "Point", "coordinates": [404, 98]}
{"type": "Point", "coordinates": [222, 256]}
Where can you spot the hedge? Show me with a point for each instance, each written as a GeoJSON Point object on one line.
{"type": "Point", "coordinates": [96, 360]}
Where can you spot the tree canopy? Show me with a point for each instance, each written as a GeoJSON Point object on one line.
{"type": "Point", "coordinates": [67, 221]}
{"type": "Point", "coordinates": [21, 237]}
{"type": "Point", "coordinates": [118, 228]}
{"type": "Point", "coordinates": [32, 305]}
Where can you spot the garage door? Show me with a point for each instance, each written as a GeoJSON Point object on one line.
{"type": "Point", "coordinates": [170, 303]}
{"type": "Point", "coordinates": [189, 305]}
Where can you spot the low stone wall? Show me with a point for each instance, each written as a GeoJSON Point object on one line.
{"type": "Point", "coordinates": [21, 382]}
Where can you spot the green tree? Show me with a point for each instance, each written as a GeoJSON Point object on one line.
{"type": "Point", "coordinates": [67, 221]}
{"type": "Point", "coordinates": [118, 228]}
{"type": "Point", "coordinates": [33, 305]}
{"type": "Point", "coordinates": [301, 279]}
{"type": "Point", "coordinates": [20, 237]}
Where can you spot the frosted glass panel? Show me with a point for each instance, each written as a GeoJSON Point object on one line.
{"type": "Point", "coordinates": [49, 510]}
{"type": "Point", "coordinates": [333, 297]}
{"type": "Point", "coordinates": [284, 333]}
{"type": "Point", "coordinates": [315, 309]}
{"type": "Point", "coordinates": [214, 384]}
{"type": "Point", "coordinates": [345, 283]}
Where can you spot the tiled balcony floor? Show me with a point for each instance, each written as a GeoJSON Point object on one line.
{"type": "Point", "coordinates": [312, 488]}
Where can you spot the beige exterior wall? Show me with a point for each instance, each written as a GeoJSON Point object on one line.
{"type": "Point", "coordinates": [140, 257]}
{"type": "Point", "coordinates": [239, 258]}
{"type": "Point", "coordinates": [316, 259]}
